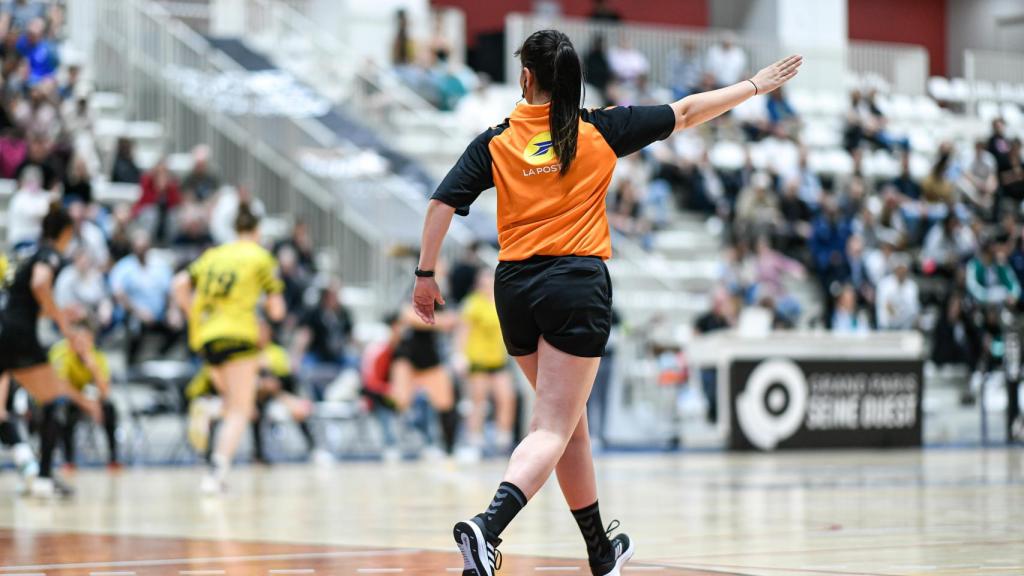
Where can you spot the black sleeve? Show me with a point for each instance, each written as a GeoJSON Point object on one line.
{"type": "Point", "coordinates": [470, 176]}
{"type": "Point", "coordinates": [629, 128]}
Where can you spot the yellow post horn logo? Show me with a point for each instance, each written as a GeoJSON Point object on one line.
{"type": "Point", "coordinates": [540, 149]}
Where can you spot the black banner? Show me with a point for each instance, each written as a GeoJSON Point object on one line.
{"type": "Point", "coordinates": [779, 403]}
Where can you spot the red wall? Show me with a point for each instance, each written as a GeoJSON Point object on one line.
{"type": "Point", "coordinates": [920, 22]}
{"type": "Point", "coordinates": [489, 15]}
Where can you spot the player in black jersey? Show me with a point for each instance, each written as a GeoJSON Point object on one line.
{"type": "Point", "coordinates": [29, 296]}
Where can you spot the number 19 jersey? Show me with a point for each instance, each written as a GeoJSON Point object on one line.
{"type": "Point", "coordinates": [228, 281]}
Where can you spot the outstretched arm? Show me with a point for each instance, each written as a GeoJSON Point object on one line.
{"type": "Point", "coordinates": [699, 108]}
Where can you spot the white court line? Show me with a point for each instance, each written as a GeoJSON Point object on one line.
{"type": "Point", "coordinates": [212, 560]}
{"type": "Point", "coordinates": [27, 574]}
{"type": "Point", "coordinates": [292, 571]}
{"type": "Point", "coordinates": [381, 570]}
{"type": "Point", "coordinates": [557, 568]}
{"type": "Point", "coordinates": [111, 573]}
{"type": "Point", "coordinates": [200, 572]}
{"type": "Point", "coordinates": [642, 568]}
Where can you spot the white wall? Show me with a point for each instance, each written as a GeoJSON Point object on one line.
{"type": "Point", "coordinates": [982, 24]}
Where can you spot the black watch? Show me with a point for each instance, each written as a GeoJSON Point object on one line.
{"type": "Point", "coordinates": [424, 273]}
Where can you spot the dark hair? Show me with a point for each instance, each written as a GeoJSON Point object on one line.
{"type": "Point", "coordinates": [56, 221]}
{"type": "Point", "coordinates": [246, 220]}
{"type": "Point", "coordinates": [550, 55]}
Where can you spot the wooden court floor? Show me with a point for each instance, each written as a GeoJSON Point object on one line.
{"type": "Point", "coordinates": [942, 512]}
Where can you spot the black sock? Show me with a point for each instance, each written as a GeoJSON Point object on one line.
{"type": "Point", "coordinates": [49, 434]}
{"type": "Point", "coordinates": [449, 428]}
{"type": "Point", "coordinates": [589, 521]}
{"type": "Point", "coordinates": [307, 433]}
{"type": "Point", "coordinates": [110, 428]}
{"type": "Point", "coordinates": [257, 442]}
{"type": "Point", "coordinates": [9, 434]}
{"type": "Point", "coordinates": [507, 502]}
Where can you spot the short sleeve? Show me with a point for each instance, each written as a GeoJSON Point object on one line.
{"type": "Point", "coordinates": [630, 128]}
{"type": "Point", "coordinates": [268, 277]}
{"type": "Point", "coordinates": [195, 269]}
{"type": "Point", "coordinates": [470, 176]}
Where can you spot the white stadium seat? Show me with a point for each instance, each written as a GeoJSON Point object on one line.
{"type": "Point", "coordinates": [939, 88]}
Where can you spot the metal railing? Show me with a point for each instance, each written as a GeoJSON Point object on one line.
{"type": "Point", "coordinates": [994, 67]}
{"type": "Point", "coordinates": [903, 67]}
{"type": "Point", "coordinates": [138, 42]}
{"type": "Point", "coordinates": [329, 65]}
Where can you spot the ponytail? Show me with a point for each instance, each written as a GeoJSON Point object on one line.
{"type": "Point", "coordinates": [550, 55]}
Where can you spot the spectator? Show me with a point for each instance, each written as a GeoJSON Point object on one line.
{"type": "Point", "coordinates": [898, 306]}
{"type": "Point", "coordinates": [847, 319]}
{"type": "Point", "coordinates": [858, 277]}
{"type": "Point", "coordinates": [906, 184]}
{"type": "Point", "coordinates": [40, 53]}
{"type": "Point", "coordinates": [707, 188]}
{"type": "Point", "coordinates": [13, 151]}
{"type": "Point", "coordinates": [937, 187]}
{"type": "Point", "coordinates": [322, 343]}
{"type": "Point", "coordinates": [125, 169]}
{"type": "Point", "coordinates": [772, 269]}
{"type": "Point", "coordinates": [23, 12]}
{"type": "Point", "coordinates": [757, 208]}
{"type": "Point", "coordinates": [40, 155]}
{"type": "Point", "coordinates": [295, 284]}
{"type": "Point", "coordinates": [26, 210]}
{"type": "Point", "coordinates": [78, 182]}
{"type": "Point", "coordinates": [68, 89]}
{"type": "Point", "coordinates": [829, 235]}
{"type": "Point", "coordinates": [625, 214]}
{"type": "Point", "coordinates": [795, 227]}
{"type": "Point", "coordinates": [810, 189]}
{"type": "Point", "coordinates": [684, 70]}
{"type": "Point", "coordinates": [955, 339]}
{"type": "Point", "coordinates": [727, 62]}
{"type": "Point", "coordinates": [1011, 178]}
{"type": "Point", "coordinates": [627, 63]}
{"type": "Point", "coordinates": [999, 145]}
{"type": "Point", "coordinates": [946, 247]}
{"type": "Point", "coordinates": [201, 181]}
{"type": "Point", "coordinates": [722, 316]}
{"type": "Point", "coordinates": [83, 287]}
{"type": "Point", "coordinates": [781, 113]}
{"type": "Point", "coordinates": [40, 114]}
{"type": "Point", "coordinates": [604, 12]}
{"type": "Point", "coordinates": [300, 241]}
{"type": "Point", "coordinates": [160, 196]}
{"type": "Point", "coordinates": [88, 235]}
{"type": "Point", "coordinates": [597, 70]}
{"type": "Point", "coordinates": [979, 181]}
{"type": "Point", "coordinates": [191, 224]}
{"type": "Point", "coordinates": [120, 242]}
{"type": "Point", "coordinates": [990, 279]}
{"type": "Point", "coordinates": [402, 48]}
{"type": "Point", "coordinates": [141, 285]}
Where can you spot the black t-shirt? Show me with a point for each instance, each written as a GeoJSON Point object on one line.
{"type": "Point", "coordinates": [711, 322]}
{"type": "Point", "coordinates": [330, 332]}
{"type": "Point", "coordinates": [81, 190]}
{"type": "Point", "coordinates": [51, 173]}
{"type": "Point", "coordinates": [18, 305]}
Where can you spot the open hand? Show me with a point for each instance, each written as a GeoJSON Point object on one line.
{"type": "Point", "coordinates": [424, 295]}
{"type": "Point", "coordinates": [774, 75]}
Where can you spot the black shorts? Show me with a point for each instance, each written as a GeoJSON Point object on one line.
{"type": "Point", "coordinates": [419, 347]}
{"type": "Point", "coordinates": [222, 350]}
{"type": "Point", "coordinates": [20, 348]}
{"type": "Point", "coordinates": [565, 299]}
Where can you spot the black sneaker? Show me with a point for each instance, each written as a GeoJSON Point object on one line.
{"type": "Point", "coordinates": [480, 557]}
{"type": "Point", "coordinates": [620, 553]}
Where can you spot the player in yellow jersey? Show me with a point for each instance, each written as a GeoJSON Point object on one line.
{"type": "Point", "coordinates": [220, 292]}
{"type": "Point", "coordinates": [485, 359]}
{"type": "Point", "coordinates": [69, 365]}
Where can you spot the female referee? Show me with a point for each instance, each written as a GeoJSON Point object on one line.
{"type": "Point", "coordinates": [220, 292]}
{"type": "Point", "coordinates": [551, 163]}
{"type": "Point", "coordinates": [29, 295]}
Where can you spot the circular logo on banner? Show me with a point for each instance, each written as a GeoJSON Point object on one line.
{"type": "Point", "coordinates": [773, 404]}
{"type": "Point", "coordinates": [540, 149]}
